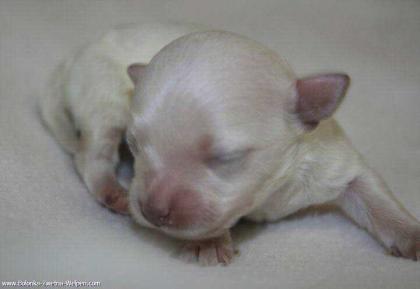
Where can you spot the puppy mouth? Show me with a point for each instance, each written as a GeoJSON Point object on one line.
{"type": "Point", "coordinates": [168, 220]}
{"type": "Point", "coordinates": [193, 231]}
{"type": "Point", "coordinates": [158, 222]}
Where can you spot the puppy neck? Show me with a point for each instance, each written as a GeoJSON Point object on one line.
{"type": "Point", "coordinates": [290, 159]}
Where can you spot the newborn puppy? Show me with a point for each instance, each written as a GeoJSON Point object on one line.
{"type": "Point", "coordinates": [220, 129]}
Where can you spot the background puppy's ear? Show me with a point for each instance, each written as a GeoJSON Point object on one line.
{"type": "Point", "coordinates": [135, 71]}
{"type": "Point", "coordinates": [319, 96]}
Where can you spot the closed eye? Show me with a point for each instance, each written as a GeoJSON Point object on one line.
{"type": "Point", "coordinates": [227, 164]}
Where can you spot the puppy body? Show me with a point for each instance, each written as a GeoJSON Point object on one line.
{"type": "Point", "coordinates": [220, 128]}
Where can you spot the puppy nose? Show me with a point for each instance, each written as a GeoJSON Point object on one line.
{"type": "Point", "coordinates": [157, 215]}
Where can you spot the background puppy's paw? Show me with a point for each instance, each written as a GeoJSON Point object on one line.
{"type": "Point", "coordinates": [113, 196]}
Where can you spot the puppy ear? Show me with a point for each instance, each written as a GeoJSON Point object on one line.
{"type": "Point", "coordinates": [136, 71]}
{"type": "Point", "coordinates": [319, 96]}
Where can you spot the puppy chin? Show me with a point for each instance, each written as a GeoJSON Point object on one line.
{"type": "Point", "coordinates": [195, 232]}
{"type": "Point", "coordinates": [206, 230]}
{"type": "Point", "coordinates": [198, 233]}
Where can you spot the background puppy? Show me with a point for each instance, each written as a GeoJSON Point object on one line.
{"type": "Point", "coordinates": [220, 128]}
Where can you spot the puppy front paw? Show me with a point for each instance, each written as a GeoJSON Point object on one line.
{"type": "Point", "coordinates": [113, 196]}
{"type": "Point", "coordinates": [209, 252]}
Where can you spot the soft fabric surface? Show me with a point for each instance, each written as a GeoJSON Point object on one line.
{"type": "Point", "coordinates": [52, 229]}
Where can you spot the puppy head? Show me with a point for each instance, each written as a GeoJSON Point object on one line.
{"type": "Point", "coordinates": [214, 116]}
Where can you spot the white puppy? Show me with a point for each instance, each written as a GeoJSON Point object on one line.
{"type": "Point", "coordinates": [220, 128]}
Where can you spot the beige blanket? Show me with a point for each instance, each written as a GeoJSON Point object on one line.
{"type": "Point", "coordinates": [52, 229]}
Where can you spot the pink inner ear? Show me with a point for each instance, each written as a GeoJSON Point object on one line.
{"type": "Point", "coordinates": [319, 96]}
{"type": "Point", "coordinates": [135, 71]}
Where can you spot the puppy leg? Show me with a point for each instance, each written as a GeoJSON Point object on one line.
{"type": "Point", "coordinates": [209, 252]}
{"type": "Point", "coordinates": [96, 162]}
{"type": "Point", "coordinates": [369, 202]}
